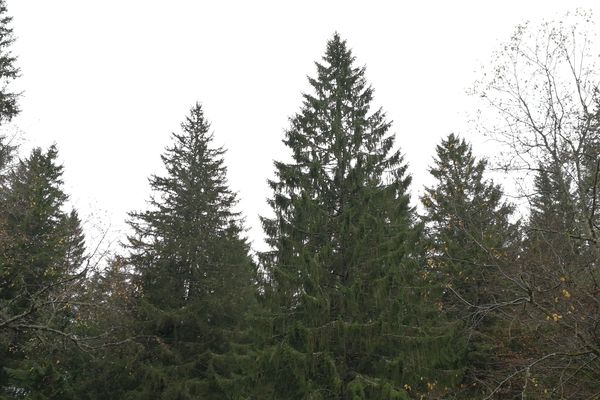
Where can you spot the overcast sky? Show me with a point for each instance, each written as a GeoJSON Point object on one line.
{"type": "Point", "coordinates": [108, 81]}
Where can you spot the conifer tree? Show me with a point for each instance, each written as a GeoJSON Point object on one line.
{"type": "Point", "coordinates": [7, 153]}
{"type": "Point", "coordinates": [467, 233]}
{"type": "Point", "coordinates": [110, 373]}
{"type": "Point", "coordinates": [6, 156]}
{"type": "Point", "coordinates": [349, 317]}
{"type": "Point", "coordinates": [193, 271]}
{"type": "Point", "coordinates": [8, 69]}
{"type": "Point", "coordinates": [467, 221]}
{"type": "Point", "coordinates": [560, 271]}
{"type": "Point", "coordinates": [8, 107]}
{"type": "Point", "coordinates": [46, 243]}
{"type": "Point", "coordinates": [552, 205]}
{"type": "Point", "coordinates": [40, 258]}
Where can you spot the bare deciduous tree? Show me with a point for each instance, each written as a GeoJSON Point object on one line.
{"type": "Point", "coordinates": [542, 104]}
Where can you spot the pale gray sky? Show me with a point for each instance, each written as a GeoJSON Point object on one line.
{"type": "Point", "coordinates": [107, 81]}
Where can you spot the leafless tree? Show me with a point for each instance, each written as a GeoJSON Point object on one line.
{"type": "Point", "coordinates": [541, 103]}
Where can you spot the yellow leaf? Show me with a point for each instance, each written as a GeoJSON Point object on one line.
{"type": "Point", "coordinates": [556, 317]}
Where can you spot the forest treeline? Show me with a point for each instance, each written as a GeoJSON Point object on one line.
{"type": "Point", "coordinates": [358, 296]}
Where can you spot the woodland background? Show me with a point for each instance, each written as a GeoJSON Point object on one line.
{"type": "Point", "coordinates": [358, 296]}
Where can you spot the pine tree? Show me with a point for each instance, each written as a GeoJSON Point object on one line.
{"type": "Point", "coordinates": [552, 204]}
{"type": "Point", "coordinates": [349, 316]}
{"type": "Point", "coordinates": [194, 271]}
{"type": "Point", "coordinates": [467, 232]}
{"type": "Point", "coordinates": [46, 243]}
{"type": "Point", "coordinates": [6, 156]}
{"type": "Point", "coordinates": [8, 70]}
{"type": "Point", "coordinates": [39, 261]}
{"type": "Point", "coordinates": [8, 100]}
{"type": "Point", "coordinates": [7, 153]}
{"type": "Point", "coordinates": [8, 109]}
{"type": "Point", "coordinates": [467, 222]}
{"type": "Point", "coordinates": [113, 319]}
{"type": "Point", "coordinates": [560, 270]}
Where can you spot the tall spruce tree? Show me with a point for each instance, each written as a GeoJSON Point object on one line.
{"type": "Point", "coordinates": [194, 272]}
{"type": "Point", "coordinates": [467, 232]}
{"type": "Point", "coordinates": [349, 313]}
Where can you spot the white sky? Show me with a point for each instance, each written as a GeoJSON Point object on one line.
{"type": "Point", "coordinates": [109, 80]}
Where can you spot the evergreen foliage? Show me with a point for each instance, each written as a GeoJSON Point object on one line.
{"type": "Point", "coordinates": [40, 255]}
{"type": "Point", "coordinates": [467, 222]}
{"type": "Point", "coordinates": [468, 231]}
{"type": "Point", "coordinates": [193, 272]}
{"type": "Point", "coordinates": [46, 243]}
{"type": "Point", "coordinates": [109, 374]}
{"type": "Point", "coordinates": [560, 267]}
{"type": "Point", "coordinates": [350, 313]}
{"type": "Point", "coordinates": [356, 297]}
{"type": "Point", "coordinates": [6, 156]}
{"type": "Point", "coordinates": [8, 70]}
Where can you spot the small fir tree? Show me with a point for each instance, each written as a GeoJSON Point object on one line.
{"type": "Point", "coordinates": [467, 221]}
{"type": "Point", "coordinates": [560, 271]}
{"type": "Point", "coordinates": [46, 243]}
{"type": "Point", "coordinates": [469, 237]}
{"type": "Point", "coordinates": [40, 255]}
